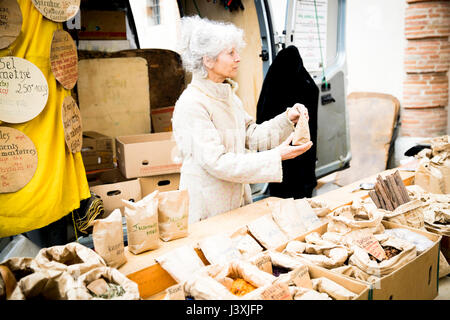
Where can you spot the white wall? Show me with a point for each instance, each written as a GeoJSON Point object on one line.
{"type": "Point", "coordinates": [375, 46]}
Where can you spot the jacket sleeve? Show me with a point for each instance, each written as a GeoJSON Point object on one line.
{"type": "Point", "coordinates": [269, 134]}
{"type": "Point", "coordinates": [196, 136]}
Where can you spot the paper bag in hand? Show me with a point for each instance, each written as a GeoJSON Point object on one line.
{"type": "Point", "coordinates": [301, 132]}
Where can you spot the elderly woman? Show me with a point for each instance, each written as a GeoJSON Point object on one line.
{"type": "Point", "coordinates": [221, 147]}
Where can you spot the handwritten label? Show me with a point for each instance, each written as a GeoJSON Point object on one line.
{"type": "Point", "coordinates": [23, 90]}
{"type": "Point", "coordinates": [18, 159]}
{"type": "Point", "coordinates": [278, 291]}
{"type": "Point", "coordinates": [176, 292]}
{"type": "Point", "coordinates": [301, 278]}
{"type": "Point", "coordinates": [369, 243]}
{"type": "Point", "coordinates": [57, 10]}
{"type": "Point", "coordinates": [73, 132]}
{"type": "Point", "coordinates": [64, 59]}
{"type": "Point", "coordinates": [264, 263]}
{"type": "Point", "coordinates": [10, 22]}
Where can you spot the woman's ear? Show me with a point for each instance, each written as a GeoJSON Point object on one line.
{"type": "Point", "coordinates": [208, 62]}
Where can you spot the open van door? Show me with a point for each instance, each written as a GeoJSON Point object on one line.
{"type": "Point", "coordinates": [317, 29]}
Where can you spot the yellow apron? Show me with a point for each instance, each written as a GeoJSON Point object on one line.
{"type": "Point", "coordinates": [59, 183]}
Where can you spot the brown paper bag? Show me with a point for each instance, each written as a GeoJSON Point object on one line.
{"type": "Point", "coordinates": [301, 132]}
{"type": "Point", "coordinates": [173, 214]}
{"type": "Point", "coordinates": [142, 223]}
{"type": "Point", "coordinates": [107, 235]}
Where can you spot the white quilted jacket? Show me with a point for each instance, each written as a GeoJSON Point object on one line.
{"type": "Point", "coordinates": [218, 140]}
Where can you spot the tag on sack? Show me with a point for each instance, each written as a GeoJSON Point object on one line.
{"type": "Point", "coordinates": [278, 291]}
{"type": "Point", "coordinates": [175, 292]}
{"type": "Point", "coordinates": [301, 278]}
{"type": "Point", "coordinates": [368, 242]}
{"type": "Point", "coordinates": [264, 263]}
{"type": "Point", "coordinates": [98, 287]}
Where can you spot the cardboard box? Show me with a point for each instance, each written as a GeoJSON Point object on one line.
{"type": "Point", "coordinates": [97, 151]}
{"type": "Point", "coordinates": [417, 280]}
{"type": "Point", "coordinates": [162, 119]}
{"type": "Point", "coordinates": [102, 25]}
{"type": "Point", "coordinates": [116, 188]}
{"type": "Point", "coordinates": [147, 154]}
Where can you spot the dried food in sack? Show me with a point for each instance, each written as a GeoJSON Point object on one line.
{"type": "Point", "coordinates": [107, 235]}
{"type": "Point", "coordinates": [241, 287]}
{"type": "Point", "coordinates": [421, 242]}
{"type": "Point", "coordinates": [142, 223]}
{"type": "Point", "coordinates": [73, 257]}
{"type": "Point", "coordinates": [267, 232]}
{"type": "Point", "coordinates": [355, 272]}
{"type": "Point", "coordinates": [245, 243]}
{"type": "Point", "coordinates": [173, 214]}
{"type": "Point", "coordinates": [361, 258]}
{"type": "Point", "coordinates": [105, 283]}
{"type": "Point", "coordinates": [308, 294]}
{"type": "Point", "coordinates": [181, 263]}
{"type": "Point", "coordinates": [321, 208]}
{"type": "Point", "coordinates": [409, 214]}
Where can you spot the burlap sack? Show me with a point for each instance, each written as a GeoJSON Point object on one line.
{"type": "Point", "coordinates": [120, 287]}
{"type": "Point", "coordinates": [408, 214]}
{"type": "Point", "coordinates": [219, 249]}
{"type": "Point", "coordinates": [356, 216]}
{"type": "Point", "coordinates": [333, 289]}
{"type": "Point", "coordinates": [308, 294]}
{"type": "Point", "coordinates": [360, 257]}
{"type": "Point", "coordinates": [181, 263]}
{"type": "Point", "coordinates": [356, 273]}
{"type": "Point", "coordinates": [301, 132]}
{"type": "Point", "coordinates": [267, 232]}
{"type": "Point", "coordinates": [321, 208]}
{"type": "Point", "coordinates": [73, 258]}
{"type": "Point", "coordinates": [142, 223]}
{"type": "Point", "coordinates": [107, 235]}
{"type": "Point", "coordinates": [173, 214]}
{"type": "Point", "coordinates": [245, 243]}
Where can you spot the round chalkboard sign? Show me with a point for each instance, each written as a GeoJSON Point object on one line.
{"type": "Point", "coordinates": [57, 10]}
{"type": "Point", "coordinates": [23, 90]}
{"type": "Point", "coordinates": [64, 59]}
{"type": "Point", "coordinates": [71, 117]}
{"type": "Point", "coordinates": [18, 159]}
{"type": "Point", "coordinates": [10, 22]}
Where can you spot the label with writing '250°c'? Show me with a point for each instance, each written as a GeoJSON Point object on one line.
{"type": "Point", "coordinates": [73, 132]}
{"type": "Point", "coordinates": [18, 159]}
{"type": "Point", "coordinates": [57, 10]}
{"type": "Point", "coordinates": [23, 90]}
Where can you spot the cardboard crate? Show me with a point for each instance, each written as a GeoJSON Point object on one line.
{"type": "Point", "coordinates": [417, 280]}
{"type": "Point", "coordinates": [113, 191]}
{"type": "Point", "coordinates": [162, 119]}
{"type": "Point", "coordinates": [97, 151]}
{"type": "Point", "coordinates": [147, 154]}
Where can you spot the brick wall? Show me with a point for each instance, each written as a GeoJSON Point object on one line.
{"type": "Point", "coordinates": [424, 110]}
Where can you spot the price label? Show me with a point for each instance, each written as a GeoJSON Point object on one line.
{"type": "Point", "coordinates": [64, 59]}
{"type": "Point", "coordinates": [23, 90]}
{"type": "Point", "coordinates": [18, 159]}
{"type": "Point", "coordinates": [10, 22]}
{"type": "Point", "coordinates": [278, 291]}
{"type": "Point", "coordinates": [301, 278]}
{"type": "Point", "coordinates": [57, 10]}
{"type": "Point", "coordinates": [73, 132]}
{"type": "Point", "coordinates": [369, 243]}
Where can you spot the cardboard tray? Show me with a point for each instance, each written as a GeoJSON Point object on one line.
{"type": "Point", "coordinates": [416, 280]}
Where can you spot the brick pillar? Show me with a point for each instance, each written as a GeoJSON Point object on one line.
{"type": "Point", "coordinates": [427, 60]}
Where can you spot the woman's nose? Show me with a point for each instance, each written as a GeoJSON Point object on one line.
{"type": "Point", "coordinates": [237, 58]}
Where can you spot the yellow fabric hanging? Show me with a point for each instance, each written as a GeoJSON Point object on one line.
{"type": "Point", "coordinates": [59, 183]}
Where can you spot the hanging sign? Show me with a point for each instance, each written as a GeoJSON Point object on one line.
{"type": "Point", "coordinates": [23, 90]}
{"type": "Point", "coordinates": [71, 117]}
{"type": "Point", "coordinates": [10, 22]}
{"type": "Point", "coordinates": [64, 59]}
{"type": "Point", "coordinates": [18, 159]}
{"type": "Point", "coordinates": [57, 10]}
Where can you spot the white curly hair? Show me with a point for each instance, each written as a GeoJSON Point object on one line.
{"type": "Point", "coordinates": [201, 37]}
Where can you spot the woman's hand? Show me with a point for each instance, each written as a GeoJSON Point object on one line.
{"type": "Point", "coordinates": [289, 152]}
{"type": "Point", "coordinates": [297, 110]}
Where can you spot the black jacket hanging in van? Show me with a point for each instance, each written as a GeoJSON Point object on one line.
{"type": "Point", "coordinates": [287, 82]}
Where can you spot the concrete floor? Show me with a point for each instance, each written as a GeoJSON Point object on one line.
{"type": "Point", "coordinates": [444, 289]}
